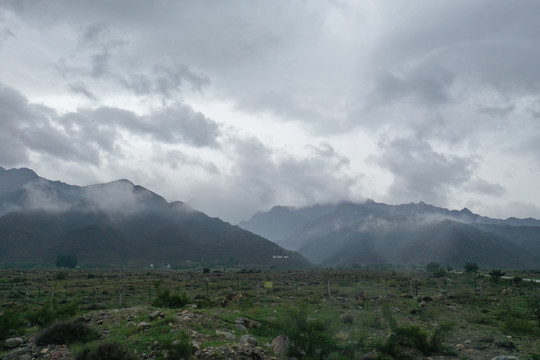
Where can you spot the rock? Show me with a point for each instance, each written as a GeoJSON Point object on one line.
{"type": "Point", "coordinates": [505, 357]}
{"type": "Point", "coordinates": [143, 325]}
{"type": "Point", "coordinates": [347, 318]}
{"type": "Point", "coordinates": [280, 345]}
{"type": "Point", "coordinates": [13, 343]}
{"type": "Point", "coordinates": [249, 339]}
{"type": "Point", "coordinates": [248, 323]}
{"type": "Point", "coordinates": [227, 335]}
{"type": "Point", "coordinates": [362, 295]}
{"type": "Point", "coordinates": [241, 327]}
{"type": "Point", "coordinates": [131, 324]}
{"type": "Point", "coordinates": [156, 315]}
{"type": "Point", "coordinates": [16, 354]}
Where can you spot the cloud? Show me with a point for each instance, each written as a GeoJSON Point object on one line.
{"type": "Point", "coordinates": [89, 135]}
{"type": "Point", "coordinates": [421, 173]}
{"type": "Point", "coordinates": [258, 177]}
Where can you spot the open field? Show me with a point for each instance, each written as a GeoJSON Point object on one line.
{"type": "Point", "coordinates": [456, 315]}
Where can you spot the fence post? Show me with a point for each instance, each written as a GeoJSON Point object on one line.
{"type": "Point", "coordinates": [386, 287]}
{"type": "Point", "coordinates": [237, 286]}
{"type": "Point", "coordinates": [120, 301]}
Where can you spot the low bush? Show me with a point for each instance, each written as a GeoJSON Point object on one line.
{"type": "Point", "coordinates": [105, 351]}
{"type": "Point", "coordinates": [11, 323]}
{"type": "Point", "coordinates": [165, 298]}
{"type": "Point", "coordinates": [65, 333]}
{"type": "Point", "coordinates": [178, 349]}
{"type": "Point", "coordinates": [46, 315]}
{"type": "Point", "coordinates": [309, 338]}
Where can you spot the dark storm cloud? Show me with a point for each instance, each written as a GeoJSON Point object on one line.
{"type": "Point", "coordinates": [27, 127]}
{"type": "Point", "coordinates": [89, 134]}
{"type": "Point", "coordinates": [421, 173]}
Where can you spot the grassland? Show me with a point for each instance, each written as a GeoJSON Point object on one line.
{"type": "Point", "coordinates": [398, 313]}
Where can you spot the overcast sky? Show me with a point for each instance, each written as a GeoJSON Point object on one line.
{"type": "Point", "coordinates": [237, 106]}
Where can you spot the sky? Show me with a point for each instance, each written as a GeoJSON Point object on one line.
{"type": "Point", "coordinates": [236, 106]}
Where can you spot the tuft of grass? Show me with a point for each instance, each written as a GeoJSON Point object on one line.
{"type": "Point", "coordinates": [105, 351]}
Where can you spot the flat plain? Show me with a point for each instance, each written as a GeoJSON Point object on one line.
{"type": "Point", "coordinates": [370, 312]}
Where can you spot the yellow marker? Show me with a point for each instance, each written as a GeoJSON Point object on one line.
{"type": "Point", "coordinates": [268, 284]}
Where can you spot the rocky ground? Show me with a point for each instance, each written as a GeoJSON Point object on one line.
{"type": "Point", "coordinates": [224, 340]}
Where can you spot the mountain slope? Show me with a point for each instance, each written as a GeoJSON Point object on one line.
{"type": "Point", "coordinates": [120, 224]}
{"type": "Point", "coordinates": [375, 233]}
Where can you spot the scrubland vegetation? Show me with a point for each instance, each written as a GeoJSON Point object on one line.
{"type": "Point", "coordinates": [323, 314]}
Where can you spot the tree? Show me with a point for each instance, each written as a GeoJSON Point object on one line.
{"type": "Point", "coordinates": [496, 275]}
{"type": "Point", "coordinates": [66, 261]}
{"type": "Point", "coordinates": [470, 267]}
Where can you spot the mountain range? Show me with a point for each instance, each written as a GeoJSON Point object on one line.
{"type": "Point", "coordinates": [119, 224]}
{"type": "Point", "coordinates": [370, 233]}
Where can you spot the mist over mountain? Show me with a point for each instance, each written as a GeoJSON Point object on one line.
{"type": "Point", "coordinates": [409, 234]}
{"type": "Point", "coordinates": [119, 224]}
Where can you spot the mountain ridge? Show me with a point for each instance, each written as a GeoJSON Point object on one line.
{"type": "Point", "coordinates": [371, 232]}
{"type": "Point", "coordinates": [119, 224]}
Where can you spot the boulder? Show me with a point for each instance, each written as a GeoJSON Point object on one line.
{"type": "Point", "coordinates": [248, 323]}
{"type": "Point", "coordinates": [280, 345]}
{"type": "Point", "coordinates": [249, 339]}
{"type": "Point", "coordinates": [227, 335]}
{"type": "Point", "coordinates": [13, 343]}
{"type": "Point", "coordinates": [505, 357]}
{"type": "Point", "coordinates": [143, 325]}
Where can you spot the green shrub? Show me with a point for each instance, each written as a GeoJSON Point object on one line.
{"type": "Point", "coordinates": [439, 273]}
{"type": "Point", "coordinates": [105, 351]}
{"type": "Point", "coordinates": [61, 275]}
{"type": "Point", "coordinates": [310, 338]}
{"type": "Point", "coordinates": [11, 322]}
{"type": "Point", "coordinates": [66, 333]}
{"type": "Point", "coordinates": [178, 349]}
{"type": "Point", "coordinates": [47, 315]}
{"type": "Point", "coordinates": [516, 325]}
{"type": "Point", "coordinates": [165, 298]}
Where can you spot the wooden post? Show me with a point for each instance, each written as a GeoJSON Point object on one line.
{"type": "Point", "coordinates": [475, 287]}
{"type": "Point", "coordinates": [237, 286]}
{"type": "Point", "coordinates": [386, 287]}
{"type": "Point", "coordinates": [120, 301]}
{"type": "Point", "coordinates": [416, 287]}
{"type": "Point", "coordinates": [207, 291]}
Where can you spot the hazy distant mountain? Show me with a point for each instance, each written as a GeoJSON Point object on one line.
{"type": "Point", "coordinates": [416, 233]}
{"type": "Point", "coordinates": [118, 224]}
